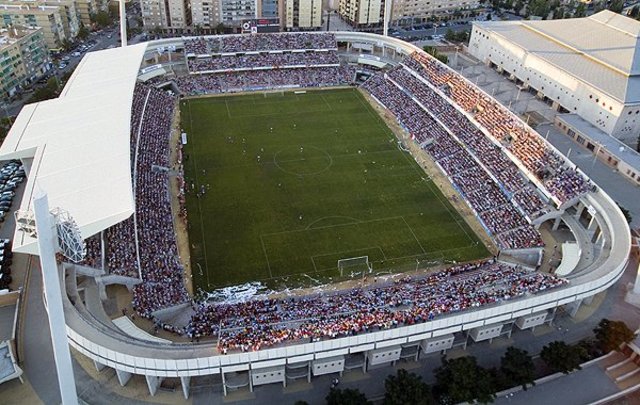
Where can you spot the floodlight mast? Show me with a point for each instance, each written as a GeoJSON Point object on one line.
{"type": "Point", "coordinates": [123, 23]}
{"type": "Point", "coordinates": [51, 277]}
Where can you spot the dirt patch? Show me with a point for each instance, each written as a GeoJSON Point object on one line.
{"type": "Point", "coordinates": [179, 223]}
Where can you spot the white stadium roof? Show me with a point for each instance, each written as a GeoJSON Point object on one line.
{"type": "Point", "coordinates": [79, 143]}
{"type": "Point", "coordinates": [601, 50]}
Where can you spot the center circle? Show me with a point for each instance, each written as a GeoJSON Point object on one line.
{"type": "Point", "coordinates": [303, 160]}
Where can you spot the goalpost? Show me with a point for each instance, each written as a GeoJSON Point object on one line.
{"type": "Point", "coordinates": [273, 93]}
{"type": "Point", "coordinates": [360, 263]}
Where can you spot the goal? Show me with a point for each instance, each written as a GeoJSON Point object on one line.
{"type": "Point", "coordinates": [354, 264]}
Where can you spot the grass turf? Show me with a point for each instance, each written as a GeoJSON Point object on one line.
{"type": "Point", "coordinates": [295, 182]}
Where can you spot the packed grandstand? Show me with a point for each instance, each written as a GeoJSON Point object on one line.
{"type": "Point", "coordinates": [475, 141]}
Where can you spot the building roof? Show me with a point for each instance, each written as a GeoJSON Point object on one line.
{"type": "Point", "coordinates": [615, 148]}
{"type": "Point", "coordinates": [79, 143]}
{"type": "Point", "coordinates": [601, 50]}
{"type": "Point", "coordinates": [14, 34]}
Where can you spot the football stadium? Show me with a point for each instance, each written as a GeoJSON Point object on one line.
{"type": "Point", "coordinates": [275, 207]}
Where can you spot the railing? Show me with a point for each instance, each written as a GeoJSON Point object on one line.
{"type": "Point", "coordinates": [183, 360]}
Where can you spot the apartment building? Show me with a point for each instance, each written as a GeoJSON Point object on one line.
{"type": "Point", "coordinates": [205, 15]}
{"type": "Point", "coordinates": [24, 58]}
{"type": "Point", "coordinates": [47, 17]}
{"type": "Point", "coordinates": [234, 11]}
{"type": "Point", "coordinates": [361, 12]}
{"type": "Point", "coordinates": [419, 11]}
{"type": "Point", "coordinates": [269, 8]}
{"type": "Point", "coordinates": [303, 14]}
{"type": "Point", "coordinates": [168, 15]}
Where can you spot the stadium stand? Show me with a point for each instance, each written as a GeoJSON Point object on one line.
{"type": "Point", "coordinates": [263, 60]}
{"type": "Point", "coordinates": [421, 95]}
{"type": "Point", "coordinates": [259, 42]}
{"type": "Point", "coordinates": [253, 325]}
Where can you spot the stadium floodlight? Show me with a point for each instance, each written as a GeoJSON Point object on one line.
{"type": "Point", "coordinates": [123, 23]}
{"type": "Point", "coordinates": [361, 263]}
{"type": "Point", "coordinates": [56, 231]}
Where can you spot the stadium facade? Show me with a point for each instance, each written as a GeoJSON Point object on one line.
{"type": "Point", "coordinates": [588, 66]}
{"type": "Point", "coordinates": [67, 145]}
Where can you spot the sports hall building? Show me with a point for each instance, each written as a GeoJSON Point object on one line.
{"type": "Point", "coordinates": [589, 66]}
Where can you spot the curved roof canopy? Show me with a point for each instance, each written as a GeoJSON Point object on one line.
{"type": "Point", "coordinates": [76, 147]}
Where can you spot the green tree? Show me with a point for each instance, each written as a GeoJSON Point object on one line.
{"type": "Point", "coordinates": [462, 380]}
{"type": "Point", "coordinates": [346, 396]}
{"type": "Point", "coordinates": [450, 35]}
{"type": "Point", "coordinates": [47, 92]}
{"type": "Point", "coordinates": [103, 19]}
{"type": "Point", "coordinates": [625, 212]}
{"type": "Point", "coordinates": [83, 32]}
{"type": "Point", "coordinates": [581, 11]}
{"type": "Point", "coordinates": [517, 367]}
{"type": "Point", "coordinates": [561, 357]}
{"type": "Point", "coordinates": [612, 334]}
{"type": "Point", "coordinates": [406, 388]}
{"type": "Point", "coordinates": [558, 13]}
{"type": "Point", "coordinates": [616, 6]}
{"type": "Point", "coordinates": [635, 11]}
{"type": "Point", "coordinates": [517, 8]}
{"type": "Point", "coordinates": [539, 8]}
{"type": "Point", "coordinates": [434, 52]}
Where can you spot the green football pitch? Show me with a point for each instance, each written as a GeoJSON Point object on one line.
{"type": "Point", "coordinates": [295, 182]}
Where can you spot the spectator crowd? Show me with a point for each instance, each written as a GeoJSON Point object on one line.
{"type": "Point", "coordinates": [259, 42]}
{"type": "Point", "coordinates": [473, 179]}
{"type": "Point", "coordinates": [253, 80]}
{"type": "Point", "coordinates": [560, 179]}
{"type": "Point", "coordinates": [263, 60]}
{"type": "Point", "coordinates": [145, 244]}
{"type": "Point", "coordinates": [257, 324]}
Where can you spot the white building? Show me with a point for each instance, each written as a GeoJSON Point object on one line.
{"type": "Point", "coordinates": [587, 66]}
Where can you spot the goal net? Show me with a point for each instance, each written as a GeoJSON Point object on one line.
{"type": "Point", "coordinates": [358, 265]}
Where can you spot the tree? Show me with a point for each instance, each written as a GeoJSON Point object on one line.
{"type": "Point", "coordinates": [450, 35]}
{"type": "Point", "coordinates": [517, 8]}
{"type": "Point", "coordinates": [83, 32]}
{"type": "Point", "coordinates": [406, 388]}
{"type": "Point", "coordinates": [434, 52]}
{"type": "Point", "coordinates": [517, 367]}
{"type": "Point", "coordinates": [462, 380]}
{"type": "Point", "coordinates": [581, 11]}
{"type": "Point", "coordinates": [539, 8]}
{"type": "Point", "coordinates": [103, 19]}
{"type": "Point", "coordinates": [635, 11]}
{"type": "Point", "coordinates": [559, 356]}
{"type": "Point", "coordinates": [558, 13]}
{"type": "Point", "coordinates": [616, 6]}
{"type": "Point", "coordinates": [612, 334]}
{"type": "Point", "coordinates": [625, 212]}
{"type": "Point", "coordinates": [47, 92]}
{"type": "Point", "coordinates": [346, 396]}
